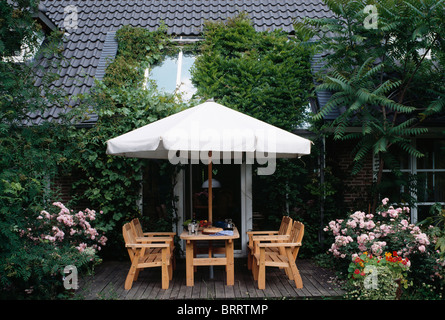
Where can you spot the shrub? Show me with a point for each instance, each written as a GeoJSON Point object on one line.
{"type": "Point", "coordinates": [66, 228]}
{"type": "Point", "coordinates": [377, 277]}
{"type": "Point", "coordinates": [389, 230]}
{"type": "Point", "coordinates": [50, 241]}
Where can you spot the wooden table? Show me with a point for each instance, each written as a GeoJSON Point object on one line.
{"type": "Point", "coordinates": [192, 261]}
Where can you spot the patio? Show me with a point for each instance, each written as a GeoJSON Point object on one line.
{"type": "Point", "coordinates": [108, 283]}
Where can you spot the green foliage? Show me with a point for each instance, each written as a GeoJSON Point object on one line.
{"type": "Point", "coordinates": [138, 49]}
{"type": "Point", "coordinates": [387, 234]}
{"type": "Point", "coordinates": [377, 278]}
{"type": "Point", "coordinates": [437, 219]}
{"type": "Point", "coordinates": [267, 76]}
{"type": "Point", "coordinates": [381, 78]}
{"type": "Point", "coordinates": [122, 103]}
{"type": "Point", "coordinates": [30, 154]}
{"type": "Point", "coordinates": [17, 26]}
{"type": "Point", "coordinates": [263, 74]}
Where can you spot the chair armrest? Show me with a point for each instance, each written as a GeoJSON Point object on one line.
{"type": "Point", "coordinates": [279, 244]}
{"type": "Point", "coordinates": [154, 239]}
{"type": "Point", "coordinates": [159, 234]}
{"type": "Point", "coordinates": [261, 232]}
{"type": "Point", "coordinates": [271, 238]}
{"type": "Point", "coordinates": [147, 245]}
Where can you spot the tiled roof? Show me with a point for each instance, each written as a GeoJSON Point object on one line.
{"type": "Point", "coordinates": [84, 47]}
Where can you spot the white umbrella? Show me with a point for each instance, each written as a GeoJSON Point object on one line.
{"type": "Point", "coordinates": [210, 132]}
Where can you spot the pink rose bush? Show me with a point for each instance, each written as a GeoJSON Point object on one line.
{"type": "Point", "coordinates": [65, 227]}
{"type": "Point", "coordinates": [388, 230]}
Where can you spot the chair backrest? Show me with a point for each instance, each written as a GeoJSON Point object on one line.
{"type": "Point", "coordinates": [129, 238]}
{"type": "Point", "coordinates": [296, 236]}
{"type": "Point", "coordinates": [137, 227]}
{"type": "Point", "coordinates": [286, 225]}
{"type": "Point", "coordinates": [128, 233]}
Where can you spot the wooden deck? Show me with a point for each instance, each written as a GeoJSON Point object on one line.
{"type": "Point", "coordinates": [108, 283]}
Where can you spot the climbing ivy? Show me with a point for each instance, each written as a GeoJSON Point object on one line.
{"type": "Point", "coordinates": [121, 103]}
{"type": "Point", "coordinates": [263, 74]}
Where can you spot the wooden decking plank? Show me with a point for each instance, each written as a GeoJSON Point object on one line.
{"type": "Point", "coordinates": [111, 286]}
{"type": "Point", "coordinates": [108, 283]}
{"type": "Point", "coordinates": [325, 278]}
{"type": "Point", "coordinates": [91, 284]}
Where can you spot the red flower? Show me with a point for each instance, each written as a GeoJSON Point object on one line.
{"type": "Point", "coordinates": [394, 253]}
{"type": "Point", "coordinates": [357, 271]}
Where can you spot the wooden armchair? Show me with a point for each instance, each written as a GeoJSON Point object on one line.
{"type": "Point", "coordinates": [284, 257]}
{"type": "Point", "coordinates": [285, 228]}
{"type": "Point", "coordinates": [139, 232]}
{"type": "Point", "coordinates": [142, 236]}
{"type": "Point", "coordinates": [148, 252]}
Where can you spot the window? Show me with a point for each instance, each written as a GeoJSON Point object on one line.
{"type": "Point", "coordinates": [27, 53]}
{"type": "Point", "coordinates": [426, 175]}
{"type": "Point", "coordinates": [173, 74]}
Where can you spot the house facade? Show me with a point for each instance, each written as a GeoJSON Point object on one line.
{"type": "Point", "coordinates": [89, 45]}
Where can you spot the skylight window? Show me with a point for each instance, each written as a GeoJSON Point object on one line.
{"type": "Point", "coordinates": [173, 74]}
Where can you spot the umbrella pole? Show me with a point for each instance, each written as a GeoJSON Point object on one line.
{"type": "Point", "coordinates": [210, 173]}
{"type": "Point", "coordinates": [210, 188]}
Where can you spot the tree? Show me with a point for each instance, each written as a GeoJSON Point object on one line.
{"type": "Point", "coordinates": [386, 74]}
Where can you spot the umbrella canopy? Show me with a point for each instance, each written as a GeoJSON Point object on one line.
{"type": "Point", "coordinates": [210, 132]}
{"type": "Point", "coordinates": [208, 127]}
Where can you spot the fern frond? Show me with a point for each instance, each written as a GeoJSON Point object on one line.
{"type": "Point", "coordinates": [380, 145]}
{"type": "Point", "coordinates": [409, 148]}
{"type": "Point", "coordinates": [336, 100]}
{"type": "Point", "coordinates": [387, 86]}
{"type": "Point", "coordinates": [436, 106]}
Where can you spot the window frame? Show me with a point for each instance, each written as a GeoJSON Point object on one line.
{"type": "Point", "coordinates": [412, 169]}
{"type": "Point", "coordinates": [180, 42]}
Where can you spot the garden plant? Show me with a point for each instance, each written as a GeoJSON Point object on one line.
{"type": "Point", "coordinates": [385, 247]}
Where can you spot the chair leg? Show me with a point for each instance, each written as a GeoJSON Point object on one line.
{"type": "Point", "coordinates": [170, 269]}
{"type": "Point", "coordinates": [254, 268]}
{"type": "Point", "coordinates": [249, 259]}
{"type": "Point", "coordinates": [294, 270]}
{"type": "Point", "coordinates": [165, 270]}
{"type": "Point", "coordinates": [136, 275]}
{"type": "Point", "coordinates": [130, 277]}
{"type": "Point", "coordinates": [262, 270]}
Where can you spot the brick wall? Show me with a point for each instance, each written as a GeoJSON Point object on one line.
{"type": "Point", "coordinates": [65, 193]}
{"type": "Point", "coordinates": [356, 193]}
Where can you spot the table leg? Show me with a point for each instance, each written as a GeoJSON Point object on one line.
{"type": "Point", "coordinates": [189, 263]}
{"type": "Point", "coordinates": [230, 270]}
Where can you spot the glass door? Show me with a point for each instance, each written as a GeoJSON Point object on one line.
{"type": "Point", "coordinates": [226, 192]}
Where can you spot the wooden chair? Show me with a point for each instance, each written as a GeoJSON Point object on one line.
{"type": "Point", "coordinates": [284, 257]}
{"type": "Point", "coordinates": [139, 232]}
{"type": "Point", "coordinates": [285, 228]}
{"type": "Point", "coordinates": [147, 253]}
{"type": "Point", "coordinates": [142, 236]}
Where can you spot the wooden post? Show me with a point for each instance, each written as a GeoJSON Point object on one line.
{"type": "Point", "coordinates": [210, 189]}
